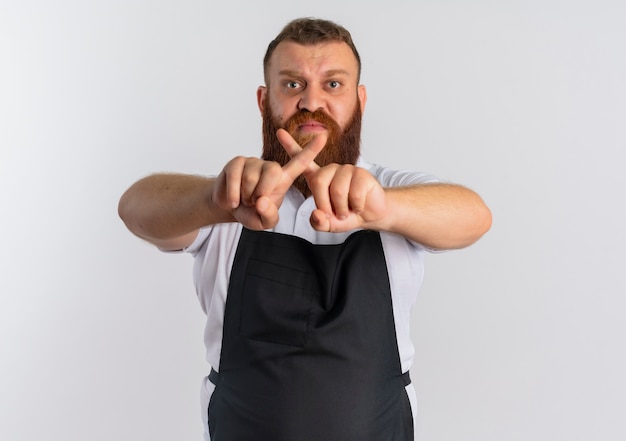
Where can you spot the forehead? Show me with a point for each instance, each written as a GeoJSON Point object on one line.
{"type": "Point", "coordinates": [316, 59]}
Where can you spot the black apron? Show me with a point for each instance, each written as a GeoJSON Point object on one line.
{"type": "Point", "coordinates": [309, 350]}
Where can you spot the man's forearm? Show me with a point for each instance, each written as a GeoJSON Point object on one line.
{"type": "Point", "coordinates": [438, 216]}
{"type": "Point", "coordinates": [165, 206]}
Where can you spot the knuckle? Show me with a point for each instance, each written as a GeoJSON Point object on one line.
{"type": "Point", "coordinates": [248, 179]}
{"type": "Point", "coordinates": [316, 180]}
{"type": "Point", "coordinates": [238, 160]}
{"type": "Point", "coordinates": [272, 168]}
{"type": "Point", "coordinates": [337, 192]}
{"type": "Point", "coordinates": [234, 165]}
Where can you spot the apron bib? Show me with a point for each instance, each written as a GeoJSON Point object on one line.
{"type": "Point", "coordinates": [309, 350]}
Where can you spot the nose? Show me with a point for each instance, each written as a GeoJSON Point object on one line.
{"type": "Point", "coordinates": [311, 99]}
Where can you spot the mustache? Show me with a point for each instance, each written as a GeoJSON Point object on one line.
{"type": "Point", "coordinates": [304, 116]}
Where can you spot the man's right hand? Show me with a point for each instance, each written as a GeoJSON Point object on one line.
{"type": "Point", "coordinates": [252, 190]}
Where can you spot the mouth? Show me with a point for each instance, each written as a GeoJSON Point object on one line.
{"type": "Point", "coordinates": [311, 127]}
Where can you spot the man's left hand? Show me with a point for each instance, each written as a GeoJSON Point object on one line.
{"type": "Point", "coordinates": [347, 197]}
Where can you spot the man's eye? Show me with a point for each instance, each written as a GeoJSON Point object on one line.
{"type": "Point", "coordinates": [334, 84]}
{"type": "Point", "coordinates": [292, 85]}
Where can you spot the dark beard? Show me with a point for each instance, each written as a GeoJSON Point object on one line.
{"type": "Point", "coordinates": [342, 146]}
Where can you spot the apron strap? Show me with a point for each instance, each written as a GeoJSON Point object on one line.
{"type": "Point", "coordinates": [214, 377]}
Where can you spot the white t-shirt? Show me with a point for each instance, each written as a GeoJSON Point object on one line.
{"type": "Point", "coordinates": [214, 252]}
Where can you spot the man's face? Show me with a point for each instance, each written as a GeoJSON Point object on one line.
{"type": "Point", "coordinates": [311, 90]}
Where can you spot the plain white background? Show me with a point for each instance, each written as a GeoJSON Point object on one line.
{"type": "Point", "coordinates": [520, 337]}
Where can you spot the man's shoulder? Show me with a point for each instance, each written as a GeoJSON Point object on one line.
{"type": "Point", "coordinates": [390, 177]}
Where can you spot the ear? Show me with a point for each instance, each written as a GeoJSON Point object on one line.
{"type": "Point", "coordinates": [261, 93]}
{"type": "Point", "coordinates": [362, 93]}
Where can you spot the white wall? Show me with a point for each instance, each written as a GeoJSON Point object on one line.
{"type": "Point", "coordinates": [520, 337]}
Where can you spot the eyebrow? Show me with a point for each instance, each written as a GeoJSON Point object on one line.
{"type": "Point", "coordinates": [330, 73]}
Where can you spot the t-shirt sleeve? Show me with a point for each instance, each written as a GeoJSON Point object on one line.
{"type": "Point", "coordinates": [196, 245]}
{"type": "Point", "coordinates": [401, 178]}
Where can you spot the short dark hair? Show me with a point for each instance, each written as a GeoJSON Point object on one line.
{"type": "Point", "coordinates": [309, 31]}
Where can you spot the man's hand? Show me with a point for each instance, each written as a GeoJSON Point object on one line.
{"type": "Point", "coordinates": [346, 197]}
{"type": "Point", "coordinates": [252, 190]}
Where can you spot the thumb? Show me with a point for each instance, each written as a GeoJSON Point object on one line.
{"type": "Point", "coordinates": [267, 211]}
{"type": "Point", "coordinates": [320, 221]}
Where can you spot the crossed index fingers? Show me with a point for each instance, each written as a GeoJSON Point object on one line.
{"type": "Point", "coordinates": [302, 159]}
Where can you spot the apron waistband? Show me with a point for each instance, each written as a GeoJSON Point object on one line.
{"type": "Point", "coordinates": [214, 377]}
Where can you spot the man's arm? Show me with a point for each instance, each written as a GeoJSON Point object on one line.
{"type": "Point", "coordinates": [168, 209]}
{"type": "Point", "coordinates": [438, 216]}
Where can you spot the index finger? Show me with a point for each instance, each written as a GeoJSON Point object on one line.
{"type": "Point", "coordinates": [302, 159]}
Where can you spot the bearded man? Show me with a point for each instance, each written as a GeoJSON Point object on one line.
{"type": "Point", "coordinates": [307, 260]}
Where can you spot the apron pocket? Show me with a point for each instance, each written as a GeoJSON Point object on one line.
{"type": "Point", "coordinates": [277, 303]}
